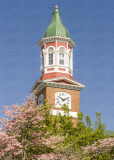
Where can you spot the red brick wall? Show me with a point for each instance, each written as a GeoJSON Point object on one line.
{"type": "Point", "coordinates": [50, 44]}
{"type": "Point", "coordinates": [55, 75]}
{"type": "Point", "coordinates": [69, 47]}
{"type": "Point", "coordinates": [75, 97]}
{"type": "Point", "coordinates": [49, 94]}
{"type": "Point", "coordinates": [62, 44]}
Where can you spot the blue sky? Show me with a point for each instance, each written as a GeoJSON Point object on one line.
{"type": "Point", "coordinates": [90, 25]}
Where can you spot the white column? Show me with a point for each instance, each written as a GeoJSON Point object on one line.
{"type": "Point", "coordinates": [72, 62]}
{"type": "Point", "coordinates": [56, 52]}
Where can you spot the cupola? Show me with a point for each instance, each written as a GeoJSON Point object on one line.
{"type": "Point", "coordinates": [56, 50]}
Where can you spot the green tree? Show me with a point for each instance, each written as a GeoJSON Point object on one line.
{"type": "Point", "coordinates": [34, 132]}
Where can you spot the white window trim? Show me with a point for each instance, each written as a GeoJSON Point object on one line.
{"type": "Point", "coordinates": [63, 59]}
{"type": "Point", "coordinates": [50, 58]}
{"type": "Point", "coordinates": [42, 52]}
{"type": "Point", "coordinates": [70, 54]}
{"type": "Point", "coordinates": [47, 56]}
{"type": "Point", "coordinates": [65, 53]}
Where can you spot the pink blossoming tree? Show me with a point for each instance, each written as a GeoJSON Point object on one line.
{"type": "Point", "coordinates": [31, 132]}
{"type": "Point", "coordinates": [24, 133]}
{"type": "Point", "coordinates": [102, 149]}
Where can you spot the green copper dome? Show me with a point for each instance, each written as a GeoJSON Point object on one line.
{"type": "Point", "coordinates": [56, 28]}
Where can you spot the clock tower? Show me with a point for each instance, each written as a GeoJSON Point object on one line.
{"type": "Point", "coordinates": [56, 83]}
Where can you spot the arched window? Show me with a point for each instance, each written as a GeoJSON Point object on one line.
{"type": "Point", "coordinates": [61, 56]}
{"type": "Point", "coordinates": [50, 53]}
{"type": "Point", "coordinates": [40, 100]}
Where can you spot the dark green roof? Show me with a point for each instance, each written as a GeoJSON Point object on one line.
{"type": "Point", "coordinates": [56, 28]}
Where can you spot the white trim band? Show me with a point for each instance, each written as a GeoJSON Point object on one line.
{"type": "Point", "coordinates": [73, 114]}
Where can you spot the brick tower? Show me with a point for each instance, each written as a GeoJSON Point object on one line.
{"type": "Point", "coordinates": [56, 83]}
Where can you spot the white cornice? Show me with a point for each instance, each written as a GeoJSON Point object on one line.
{"type": "Point", "coordinates": [66, 79]}
{"type": "Point", "coordinates": [50, 82]}
{"type": "Point", "coordinates": [57, 85]}
{"type": "Point", "coordinates": [32, 89]}
{"type": "Point", "coordinates": [49, 39]}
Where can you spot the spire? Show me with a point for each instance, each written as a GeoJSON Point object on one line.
{"type": "Point", "coordinates": [56, 28]}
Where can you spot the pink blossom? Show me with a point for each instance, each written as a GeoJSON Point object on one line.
{"type": "Point", "coordinates": [22, 130]}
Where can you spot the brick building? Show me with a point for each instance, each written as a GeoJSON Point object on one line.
{"type": "Point", "coordinates": [56, 83]}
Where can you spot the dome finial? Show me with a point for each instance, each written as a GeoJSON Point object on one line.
{"type": "Point", "coordinates": [56, 7]}
{"type": "Point", "coordinates": [56, 27]}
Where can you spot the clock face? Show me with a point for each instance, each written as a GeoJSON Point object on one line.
{"type": "Point", "coordinates": [62, 98]}
{"type": "Point", "coordinates": [40, 100]}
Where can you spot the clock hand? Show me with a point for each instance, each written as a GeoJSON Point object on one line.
{"type": "Point", "coordinates": [65, 98]}
{"type": "Point", "coordinates": [61, 98]}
